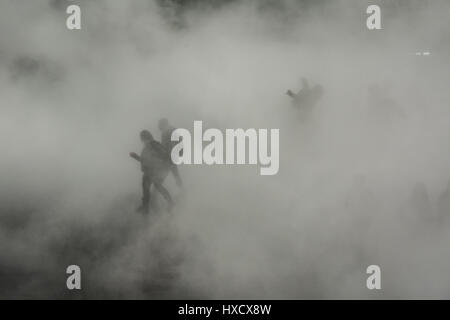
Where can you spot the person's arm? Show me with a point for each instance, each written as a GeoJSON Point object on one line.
{"type": "Point", "coordinates": [135, 156]}
{"type": "Point", "coordinates": [290, 94]}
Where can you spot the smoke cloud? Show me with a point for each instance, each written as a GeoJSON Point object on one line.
{"type": "Point", "coordinates": [359, 180]}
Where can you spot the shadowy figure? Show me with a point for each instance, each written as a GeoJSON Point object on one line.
{"type": "Point", "coordinates": [444, 203]}
{"type": "Point", "coordinates": [154, 166]}
{"type": "Point", "coordinates": [307, 97]}
{"type": "Point", "coordinates": [166, 135]}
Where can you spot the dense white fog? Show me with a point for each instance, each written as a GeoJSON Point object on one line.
{"type": "Point", "coordinates": [361, 178]}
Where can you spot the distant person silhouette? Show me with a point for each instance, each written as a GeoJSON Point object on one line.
{"type": "Point", "coordinates": [155, 167]}
{"type": "Point", "coordinates": [307, 97]}
{"type": "Point", "coordinates": [166, 140]}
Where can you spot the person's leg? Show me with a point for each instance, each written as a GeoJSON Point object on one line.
{"type": "Point", "coordinates": [165, 194]}
{"type": "Point", "coordinates": [145, 193]}
{"type": "Point", "coordinates": [176, 175]}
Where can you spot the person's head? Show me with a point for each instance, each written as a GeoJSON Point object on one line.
{"type": "Point", "coordinates": [163, 124]}
{"type": "Point", "coordinates": [146, 136]}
